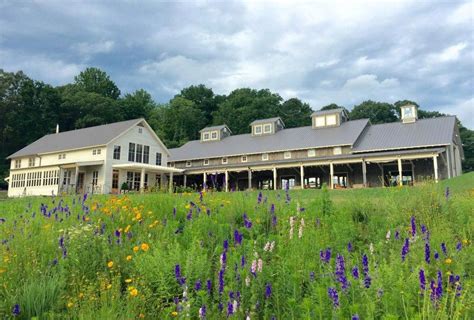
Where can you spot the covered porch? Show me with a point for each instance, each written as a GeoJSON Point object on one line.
{"type": "Point", "coordinates": [81, 177]}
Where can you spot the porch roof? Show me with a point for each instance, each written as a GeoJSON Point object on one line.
{"type": "Point", "coordinates": [147, 167]}
{"type": "Point", "coordinates": [81, 164]}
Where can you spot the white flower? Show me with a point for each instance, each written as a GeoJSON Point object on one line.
{"type": "Point", "coordinates": [259, 265]}
{"type": "Point", "coordinates": [371, 248]}
{"type": "Point", "coordinates": [272, 246]}
{"type": "Point", "coordinates": [267, 247]}
{"type": "Point", "coordinates": [292, 224]}
{"type": "Point", "coordinates": [300, 231]}
{"type": "Point", "coordinates": [234, 305]}
{"type": "Point", "coordinates": [388, 235]}
{"type": "Point", "coordinates": [247, 281]}
{"type": "Point", "coordinates": [253, 268]}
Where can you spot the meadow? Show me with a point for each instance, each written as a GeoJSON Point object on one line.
{"type": "Point", "coordinates": [387, 253]}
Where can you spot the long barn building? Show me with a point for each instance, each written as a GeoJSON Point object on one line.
{"type": "Point", "coordinates": [335, 151]}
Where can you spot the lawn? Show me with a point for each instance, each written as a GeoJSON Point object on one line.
{"type": "Point", "coordinates": [383, 253]}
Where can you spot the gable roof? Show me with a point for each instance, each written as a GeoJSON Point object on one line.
{"type": "Point", "coordinates": [258, 121]}
{"type": "Point", "coordinates": [218, 127]}
{"type": "Point", "coordinates": [397, 135]}
{"type": "Point", "coordinates": [287, 139]}
{"type": "Point", "coordinates": [329, 111]}
{"type": "Point", "coordinates": [76, 139]}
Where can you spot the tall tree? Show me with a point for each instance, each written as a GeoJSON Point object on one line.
{"type": "Point", "coordinates": [203, 98]}
{"type": "Point", "coordinates": [295, 113]}
{"type": "Point", "coordinates": [97, 81]}
{"type": "Point", "coordinates": [377, 112]}
{"type": "Point", "coordinates": [136, 105]}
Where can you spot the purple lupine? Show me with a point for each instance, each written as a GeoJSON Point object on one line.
{"type": "Point", "coordinates": [405, 249]}
{"type": "Point", "coordinates": [446, 193]}
{"type": "Point", "coordinates": [332, 293]}
{"type": "Point", "coordinates": [247, 222]}
{"type": "Point", "coordinates": [268, 290]}
{"type": "Point", "coordinates": [341, 272]}
{"type": "Point", "coordinates": [459, 246]}
{"type": "Point", "coordinates": [230, 308]}
{"type": "Point", "coordinates": [16, 310]}
{"type": "Point", "coordinates": [422, 280]}
{"type": "Point", "coordinates": [423, 228]}
{"type": "Point", "coordinates": [355, 272]}
{"type": "Point", "coordinates": [209, 286]}
{"type": "Point", "coordinates": [223, 259]}
{"type": "Point", "coordinates": [177, 272]}
{"type": "Point", "coordinates": [272, 209]}
{"type": "Point", "coordinates": [443, 248]}
{"type": "Point", "coordinates": [349, 247]}
{"type": "Point", "coordinates": [174, 212]}
{"type": "Point", "coordinates": [325, 255]}
{"type": "Point", "coordinates": [242, 261]}
{"type": "Point", "coordinates": [439, 286]}
{"type": "Point", "coordinates": [355, 317]}
{"type": "Point", "coordinates": [189, 216]}
{"type": "Point", "coordinates": [436, 255]}
{"type": "Point", "coordinates": [365, 269]}
{"type": "Point", "coordinates": [225, 245]}
{"type": "Point", "coordinates": [311, 276]}
{"type": "Point", "coordinates": [198, 285]}
{"type": "Point", "coordinates": [202, 312]}
{"type": "Point", "coordinates": [259, 197]}
{"type": "Point", "coordinates": [61, 242]}
{"type": "Point", "coordinates": [397, 235]}
{"type": "Point", "coordinates": [237, 237]}
{"type": "Point", "coordinates": [413, 226]}
{"type": "Point", "coordinates": [221, 281]}
{"type": "Point", "coordinates": [427, 252]}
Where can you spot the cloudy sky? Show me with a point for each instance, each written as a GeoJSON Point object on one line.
{"type": "Point", "coordinates": [343, 52]}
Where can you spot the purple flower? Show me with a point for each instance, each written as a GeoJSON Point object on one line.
{"type": "Point", "coordinates": [443, 248]}
{"type": "Point", "coordinates": [355, 272]}
{"type": "Point", "coordinates": [197, 285]}
{"type": "Point", "coordinates": [446, 193]}
{"type": "Point", "coordinates": [422, 280]}
{"type": "Point", "coordinates": [365, 269]}
{"type": "Point", "coordinates": [189, 216]}
{"type": "Point", "coordinates": [174, 212]}
{"type": "Point", "coordinates": [436, 255]}
{"type": "Point", "coordinates": [397, 235]}
{"type": "Point", "coordinates": [355, 317]}
{"type": "Point", "coordinates": [311, 276]}
{"type": "Point", "coordinates": [259, 197]}
{"type": "Point", "coordinates": [61, 242]}
{"type": "Point", "coordinates": [423, 228]}
{"type": "Point", "coordinates": [221, 281]}
{"type": "Point", "coordinates": [272, 209]}
{"type": "Point", "coordinates": [405, 249]}
{"type": "Point", "coordinates": [226, 245]}
{"type": "Point", "coordinates": [413, 226]}
{"type": "Point", "coordinates": [202, 312]}
{"type": "Point", "coordinates": [325, 255]}
{"type": "Point", "coordinates": [349, 247]}
{"type": "Point", "coordinates": [177, 272]}
{"type": "Point", "coordinates": [427, 252]}
{"type": "Point", "coordinates": [459, 246]}
{"type": "Point", "coordinates": [230, 308]}
{"type": "Point", "coordinates": [16, 310]}
{"type": "Point", "coordinates": [268, 290]}
{"type": "Point", "coordinates": [332, 293]}
{"type": "Point", "coordinates": [237, 237]}
{"type": "Point", "coordinates": [209, 286]}
{"type": "Point", "coordinates": [247, 222]}
{"type": "Point", "coordinates": [242, 261]}
{"type": "Point", "coordinates": [340, 272]}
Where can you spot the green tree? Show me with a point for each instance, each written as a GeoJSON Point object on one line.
{"type": "Point", "coordinates": [377, 112]}
{"type": "Point", "coordinates": [203, 98]}
{"type": "Point", "coordinates": [136, 105]}
{"type": "Point", "coordinates": [467, 138]}
{"type": "Point", "coordinates": [97, 81]}
{"type": "Point", "coordinates": [295, 113]}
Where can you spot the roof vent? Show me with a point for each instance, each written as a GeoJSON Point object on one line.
{"type": "Point", "coordinates": [267, 126]}
{"type": "Point", "coordinates": [409, 113]}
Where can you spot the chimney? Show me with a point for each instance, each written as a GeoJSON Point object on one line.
{"type": "Point", "coordinates": [57, 128]}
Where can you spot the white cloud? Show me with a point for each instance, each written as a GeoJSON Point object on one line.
{"type": "Point", "coordinates": [370, 82]}
{"type": "Point", "coordinates": [463, 109]}
{"type": "Point", "coordinates": [91, 48]}
{"type": "Point", "coordinates": [449, 54]}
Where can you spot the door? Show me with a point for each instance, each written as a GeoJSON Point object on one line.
{"type": "Point", "coordinates": [80, 182]}
{"type": "Point", "coordinates": [115, 181]}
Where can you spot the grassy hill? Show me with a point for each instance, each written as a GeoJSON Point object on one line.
{"type": "Point", "coordinates": [385, 253]}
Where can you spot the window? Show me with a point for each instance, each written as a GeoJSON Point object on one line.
{"type": "Point", "coordinates": [311, 153]}
{"type": "Point", "coordinates": [188, 164]}
{"type": "Point", "coordinates": [214, 135]}
{"type": "Point", "coordinates": [131, 151]}
{"type": "Point", "coordinates": [31, 162]}
{"type": "Point", "coordinates": [117, 152]}
{"type": "Point", "coordinates": [287, 155]}
{"type": "Point", "coordinates": [99, 151]}
{"type": "Point", "coordinates": [146, 154]}
{"type": "Point", "coordinates": [139, 154]}
{"type": "Point", "coordinates": [94, 152]}
{"type": "Point", "coordinates": [224, 160]}
{"type": "Point", "coordinates": [337, 150]}
{"type": "Point", "coordinates": [205, 136]}
{"type": "Point", "coordinates": [95, 177]}
{"type": "Point", "coordinates": [17, 163]}
{"type": "Point", "coordinates": [61, 156]}
{"type": "Point", "coordinates": [265, 157]}
{"type": "Point", "coordinates": [407, 112]}
{"type": "Point", "coordinates": [158, 159]}
{"type": "Point", "coordinates": [67, 177]}
{"type": "Point", "coordinates": [140, 130]}
{"type": "Point", "coordinates": [267, 128]}
{"type": "Point", "coordinates": [18, 180]}
{"type": "Point", "coordinates": [319, 121]}
{"type": "Point", "coordinates": [206, 162]}
{"type": "Point", "coordinates": [243, 159]}
{"type": "Point", "coordinates": [331, 120]}
{"type": "Point", "coordinates": [50, 178]}
{"type": "Point", "coordinates": [257, 129]}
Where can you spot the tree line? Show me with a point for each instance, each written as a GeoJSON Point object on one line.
{"type": "Point", "coordinates": [30, 109]}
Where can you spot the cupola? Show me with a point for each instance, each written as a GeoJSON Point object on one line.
{"type": "Point", "coordinates": [409, 113]}
{"type": "Point", "coordinates": [267, 126]}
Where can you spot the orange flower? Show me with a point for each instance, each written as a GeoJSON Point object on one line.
{"type": "Point", "coordinates": [145, 247]}
{"type": "Point", "coordinates": [110, 264]}
{"type": "Point", "coordinates": [129, 258]}
{"type": "Point", "coordinates": [136, 248]}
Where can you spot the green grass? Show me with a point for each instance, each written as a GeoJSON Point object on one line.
{"type": "Point", "coordinates": [48, 284]}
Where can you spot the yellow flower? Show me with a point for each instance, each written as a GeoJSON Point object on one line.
{"type": "Point", "coordinates": [81, 295]}
{"type": "Point", "coordinates": [136, 248]}
{"type": "Point", "coordinates": [110, 264]}
{"type": "Point", "coordinates": [127, 229]}
{"type": "Point", "coordinates": [448, 261]}
{"type": "Point", "coordinates": [134, 292]}
{"type": "Point", "coordinates": [145, 247]}
{"type": "Point", "coordinates": [138, 216]}
{"type": "Point", "coordinates": [129, 258]}
{"type": "Point", "coordinates": [465, 241]}
{"type": "Point", "coordinates": [128, 280]}
{"type": "Point", "coordinates": [141, 316]}
{"type": "Point", "coordinates": [109, 286]}
{"type": "Point", "coordinates": [70, 304]}
{"type": "Point", "coordinates": [174, 314]}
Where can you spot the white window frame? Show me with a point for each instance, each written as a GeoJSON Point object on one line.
{"type": "Point", "coordinates": [99, 151]}
{"type": "Point", "coordinates": [188, 164]}
{"type": "Point", "coordinates": [311, 153]}
{"type": "Point", "coordinates": [257, 127]}
{"type": "Point", "coordinates": [319, 124]}
{"type": "Point", "coordinates": [95, 177]}
{"type": "Point", "coordinates": [265, 157]}
{"type": "Point", "coordinates": [267, 126]}
{"type": "Point", "coordinates": [216, 137]}
{"type": "Point", "coordinates": [225, 160]}
{"type": "Point", "coordinates": [243, 159]}
{"type": "Point", "coordinates": [140, 130]}
{"type": "Point", "coordinates": [206, 136]}
{"type": "Point", "coordinates": [94, 152]}
{"type": "Point", "coordinates": [31, 162]}
{"type": "Point", "coordinates": [287, 155]}
{"type": "Point", "coordinates": [17, 163]}
{"type": "Point", "coordinates": [337, 150]}
{"type": "Point", "coordinates": [205, 162]}
{"type": "Point", "coordinates": [333, 121]}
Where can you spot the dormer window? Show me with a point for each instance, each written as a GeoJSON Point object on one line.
{"type": "Point", "coordinates": [320, 121]}
{"type": "Point", "coordinates": [328, 118]}
{"type": "Point", "coordinates": [287, 155]}
{"type": "Point", "coordinates": [205, 162]}
{"type": "Point", "coordinates": [265, 157]}
{"type": "Point", "coordinates": [257, 129]}
{"type": "Point", "coordinates": [206, 136]}
{"type": "Point", "coordinates": [331, 120]}
{"type": "Point", "coordinates": [215, 133]}
{"type": "Point", "coordinates": [243, 159]}
{"type": "Point", "coordinates": [311, 153]}
{"type": "Point", "coordinates": [267, 128]}
{"type": "Point", "coordinates": [337, 150]}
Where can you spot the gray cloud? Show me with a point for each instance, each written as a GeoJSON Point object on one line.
{"type": "Point", "coordinates": [343, 52]}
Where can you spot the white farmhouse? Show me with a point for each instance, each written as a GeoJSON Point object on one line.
{"type": "Point", "coordinates": [93, 160]}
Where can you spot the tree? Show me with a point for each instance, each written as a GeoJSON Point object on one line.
{"type": "Point", "coordinates": [295, 113]}
{"type": "Point", "coordinates": [203, 99]}
{"type": "Point", "coordinates": [242, 106]}
{"type": "Point", "coordinates": [377, 112]}
{"type": "Point", "coordinates": [136, 105]}
{"type": "Point", "coordinates": [467, 138]}
{"type": "Point", "coordinates": [97, 81]}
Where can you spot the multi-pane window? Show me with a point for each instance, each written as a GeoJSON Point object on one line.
{"type": "Point", "coordinates": [267, 128]}
{"type": "Point", "coordinates": [214, 135]}
{"type": "Point", "coordinates": [131, 151]}
{"type": "Point", "coordinates": [61, 156]}
{"type": "Point", "coordinates": [224, 160]}
{"type": "Point", "coordinates": [50, 178]}
{"type": "Point", "coordinates": [265, 157]}
{"type": "Point", "coordinates": [67, 178]}
{"type": "Point", "coordinates": [311, 153]}
{"type": "Point", "coordinates": [206, 162]}
{"type": "Point", "coordinates": [257, 129]}
{"type": "Point", "coordinates": [320, 121]}
{"type": "Point", "coordinates": [96, 152]}
{"type": "Point", "coordinates": [17, 163]}
{"type": "Point", "coordinates": [95, 177]}
{"type": "Point", "coordinates": [33, 179]}
{"type": "Point", "coordinates": [18, 180]}
{"type": "Point", "coordinates": [139, 154]}
{"type": "Point", "coordinates": [188, 164]}
{"type": "Point", "coordinates": [146, 154]}
{"type": "Point", "coordinates": [117, 152]}
{"type": "Point", "coordinates": [206, 136]}
{"type": "Point", "coordinates": [243, 159]}
{"type": "Point", "coordinates": [31, 162]}
{"type": "Point", "coordinates": [287, 155]}
{"type": "Point", "coordinates": [140, 130]}
{"type": "Point", "coordinates": [331, 120]}
{"type": "Point", "coordinates": [337, 150]}
{"type": "Point", "coordinates": [158, 159]}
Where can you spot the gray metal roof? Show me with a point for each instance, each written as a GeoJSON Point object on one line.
{"type": "Point", "coordinates": [266, 120]}
{"type": "Point", "coordinates": [397, 135]}
{"type": "Point", "coordinates": [76, 139]}
{"type": "Point", "coordinates": [219, 127]}
{"type": "Point", "coordinates": [287, 139]}
{"type": "Point", "coordinates": [330, 111]}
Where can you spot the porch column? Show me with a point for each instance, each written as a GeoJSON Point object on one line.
{"type": "Point", "coordinates": [435, 165]}
{"type": "Point", "coordinates": [204, 186]}
{"type": "Point", "coordinates": [364, 173]}
{"type": "Point", "coordinates": [331, 175]}
{"type": "Point", "coordinates": [274, 178]}
{"type": "Point", "coordinates": [413, 172]}
{"type": "Point", "coordinates": [302, 177]}
{"type": "Point", "coordinates": [250, 179]}
{"type": "Point", "coordinates": [185, 180]}
{"type": "Point", "coordinates": [76, 178]}
{"type": "Point", "coordinates": [226, 187]}
{"type": "Point", "coordinates": [400, 180]}
{"type": "Point", "coordinates": [448, 163]}
{"type": "Point", "coordinates": [142, 180]}
{"type": "Point", "coordinates": [171, 182]}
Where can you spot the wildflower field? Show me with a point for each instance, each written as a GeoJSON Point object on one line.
{"type": "Point", "coordinates": [393, 253]}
